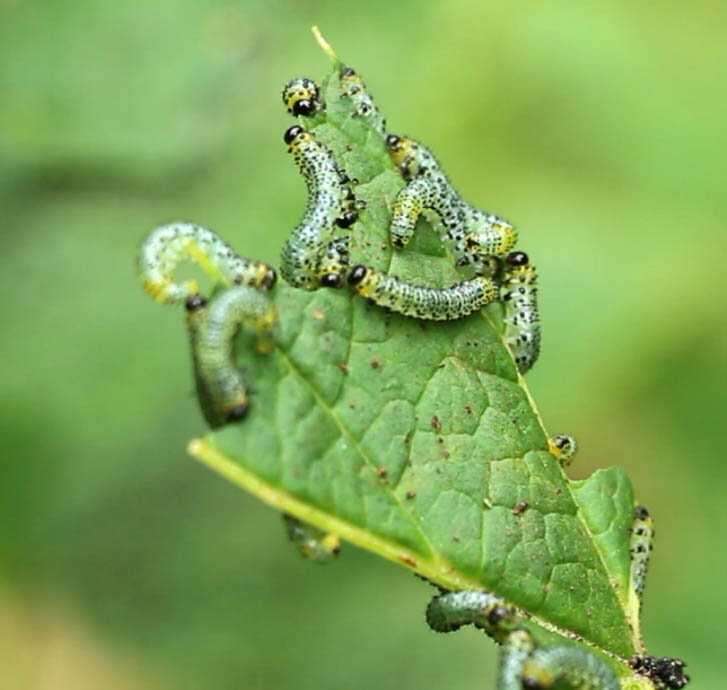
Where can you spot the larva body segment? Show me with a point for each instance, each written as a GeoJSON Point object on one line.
{"type": "Point", "coordinates": [330, 203]}
{"type": "Point", "coordinates": [569, 667]}
{"type": "Point", "coordinates": [353, 86]}
{"type": "Point", "coordinates": [301, 97]}
{"type": "Point", "coordinates": [221, 388]}
{"type": "Point", "coordinates": [312, 543]}
{"type": "Point", "coordinates": [519, 293]}
{"type": "Point", "coordinates": [516, 649]}
{"type": "Point", "coordinates": [640, 547]}
{"type": "Point", "coordinates": [437, 304]}
{"type": "Point", "coordinates": [167, 246]}
{"type": "Point", "coordinates": [472, 235]}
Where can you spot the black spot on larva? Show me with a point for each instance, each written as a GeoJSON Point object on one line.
{"type": "Point", "coordinates": [304, 107]}
{"type": "Point", "coordinates": [331, 280]}
{"type": "Point", "coordinates": [195, 302]}
{"type": "Point", "coordinates": [517, 258]}
{"type": "Point", "coordinates": [238, 412]}
{"type": "Point", "coordinates": [347, 219]}
{"type": "Point", "coordinates": [291, 133]}
{"type": "Point", "coordinates": [357, 274]}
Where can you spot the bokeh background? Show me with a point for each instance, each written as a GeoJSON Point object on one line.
{"type": "Point", "coordinates": [599, 128]}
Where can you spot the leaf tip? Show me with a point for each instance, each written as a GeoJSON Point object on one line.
{"type": "Point", "coordinates": [325, 45]}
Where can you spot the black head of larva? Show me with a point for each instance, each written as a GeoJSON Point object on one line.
{"type": "Point", "coordinates": [531, 684]}
{"type": "Point", "coordinates": [392, 141]}
{"type": "Point", "coordinates": [357, 274]}
{"type": "Point", "coordinates": [331, 280]}
{"type": "Point", "coordinates": [195, 302]}
{"type": "Point", "coordinates": [238, 412]}
{"type": "Point", "coordinates": [291, 133]}
{"type": "Point", "coordinates": [304, 107]}
{"type": "Point", "coordinates": [348, 72]}
{"type": "Point", "coordinates": [517, 259]}
{"type": "Point", "coordinates": [270, 278]}
{"type": "Point", "coordinates": [347, 219]}
{"type": "Point", "coordinates": [641, 512]}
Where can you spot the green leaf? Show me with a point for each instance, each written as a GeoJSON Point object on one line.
{"type": "Point", "coordinates": [417, 440]}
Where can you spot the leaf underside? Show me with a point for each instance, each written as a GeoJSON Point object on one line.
{"type": "Point", "coordinates": [417, 440]}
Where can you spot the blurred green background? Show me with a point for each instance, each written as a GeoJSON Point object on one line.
{"type": "Point", "coordinates": [598, 128]}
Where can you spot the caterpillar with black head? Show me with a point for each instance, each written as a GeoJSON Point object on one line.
{"type": "Point", "coordinates": [640, 547]}
{"type": "Point", "coordinates": [566, 666]}
{"type": "Point", "coordinates": [167, 246]}
{"type": "Point", "coordinates": [519, 295]}
{"type": "Point", "coordinates": [312, 543]}
{"type": "Point", "coordinates": [306, 255]}
{"type": "Point", "coordinates": [563, 448]}
{"type": "Point", "coordinates": [354, 88]}
{"type": "Point", "coordinates": [516, 649]}
{"type": "Point", "coordinates": [221, 389]}
{"type": "Point", "coordinates": [449, 612]}
{"type": "Point", "coordinates": [301, 96]}
{"type": "Point", "coordinates": [418, 301]}
{"type": "Point", "coordinates": [474, 236]}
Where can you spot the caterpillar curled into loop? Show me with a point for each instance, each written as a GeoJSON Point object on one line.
{"type": "Point", "coordinates": [301, 96]}
{"type": "Point", "coordinates": [353, 87]}
{"type": "Point", "coordinates": [167, 246]}
{"type": "Point", "coordinates": [306, 256]}
{"type": "Point", "coordinates": [312, 543]}
{"type": "Point", "coordinates": [221, 389]}
{"type": "Point", "coordinates": [437, 304]}
{"type": "Point", "coordinates": [519, 293]}
{"type": "Point", "coordinates": [640, 548]}
{"type": "Point", "coordinates": [563, 448]}
{"type": "Point", "coordinates": [567, 666]}
{"type": "Point", "coordinates": [449, 612]}
{"type": "Point", "coordinates": [473, 235]}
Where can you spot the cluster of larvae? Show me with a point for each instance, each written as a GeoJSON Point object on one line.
{"type": "Point", "coordinates": [316, 255]}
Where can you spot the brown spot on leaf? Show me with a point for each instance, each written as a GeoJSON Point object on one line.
{"type": "Point", "coordinates": [436, 423]}
{"type": "Point", "coordinates": [520, 508]}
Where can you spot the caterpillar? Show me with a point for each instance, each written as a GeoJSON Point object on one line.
{"type": "Point", "coordinates": [221, 388]}
{"type": "Point", "coordinates": [330, 203]}
{"type": "Point", "coordinates": [301, 96]}
{"type": "Point", "coordinates": [473, 235]}
{"type": "Point", "coordinates": [516, 649]}
{"type": "Point", "coordinates": [449, 612]}
{"type": "Point", "coordinates": [563, 448]}
{"type": "Point", "coordinates": [353, 86]}
{"type": "Point", "coordinates": [642, 543]}
{"type": "Point", "coordinates": [568, 667]}
{"type": "Point", "coordinates": [167, 246]}
{"type": "Point", "coordinates": [522, 320]}
{"type": "Point", "coordinates": [437, 304]}
{"type": "Point", "coordinates": [312, 543]}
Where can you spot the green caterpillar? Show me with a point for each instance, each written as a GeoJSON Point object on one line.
{"type": "Point", "coordinates": [568, 667]}
{"type": "Point", "coordinates": [304, 263]}
{"type": "Point", "coordinates": [301, 96]}
{"type": "Point", "coordinates": [353, 86]}
{"type": "Point", "coordinates": [473, 236]}
{"type": "Point", "coordinates": [167, 246]}
{"type": "Point", "coordinates": [642, 543]}
{"type": "Point", "coordinates": [438, 304]}
{"type": "Point", "coordinates": [563, 448]}
{"type": "Point", "coordinates": [522, 320]}
{"type": "Point", "coordinates": [523, 664]}
{"type": "Point", "coordinates": [312, 543]}
{"type": "Point", "coordinates": [221, 389]}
